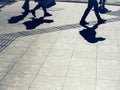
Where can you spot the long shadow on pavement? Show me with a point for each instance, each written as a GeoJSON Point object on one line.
{"type": "Point", "coordinates": [36, 22]}
{"type": "Point", "coordinates": [16, 19]}
{"type": "Point", "coordinates": [89, 34]}
{"type": "Point", "coordinates": [32, 24]}
{"type": "Point", "coordinates": [10, 37]}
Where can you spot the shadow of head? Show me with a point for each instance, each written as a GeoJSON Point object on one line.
{"type": "Point", "coordinates": [36, 22]}
{"type": "Point", "coordinates": [89, 34]}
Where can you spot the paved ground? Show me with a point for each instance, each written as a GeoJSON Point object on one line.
{"type": "Point", "coordinates": [53, 55]}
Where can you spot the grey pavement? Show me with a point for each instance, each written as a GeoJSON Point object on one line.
{"type": "Point", "coordinates": [54, 56]}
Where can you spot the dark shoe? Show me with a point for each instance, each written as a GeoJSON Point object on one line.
{"type": "Point", "coordinates": [103, 10]}
{"type": "Point", "coordinates": [33, 13]}
{"type": "Point", "coordinates": [47, 14]}
{"type": "Point", "coordinates": [101, 21]}
{"type": "Point", "coordinates": [106, 10]}
{"type": "Point", "coordinates": [83, 23]}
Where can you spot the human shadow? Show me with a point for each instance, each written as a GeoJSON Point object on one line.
{"type": "Point", "coordinates": [89, 34]}
{"type": "Point", "coordinates": [16, 19]}
{"type": "Point", "coordinates": [26, 6]}
{"type": "Point", "coordinates": [36, 22]}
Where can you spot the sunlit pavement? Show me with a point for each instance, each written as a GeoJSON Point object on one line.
{"type": "Point", "coordinates": [54, 56]}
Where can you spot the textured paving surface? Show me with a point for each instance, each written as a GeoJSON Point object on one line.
{"type": "Point", "coordinates": [54, 56]}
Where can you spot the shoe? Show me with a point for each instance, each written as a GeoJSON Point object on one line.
{"type": "Point", "coordinates": [106, 10]}
{"type": "Point", "coordinates": [83, 23]}
{"type": "Point", "coordinates": [103, 10]}
{"type": "Point", "coordinates": [101, 21]}
{"type": "Point", "coordinates": [47, 14]}
{"type": "Point", "coordinates": [33, 13]}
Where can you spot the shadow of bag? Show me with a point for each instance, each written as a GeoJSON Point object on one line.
{"type": "Point", "coordinates": [48, 3]}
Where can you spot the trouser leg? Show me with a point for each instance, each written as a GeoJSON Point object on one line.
{"type": "Point", "coordinates": [44, 9]}
{"type": "Point", "coordinates": [37, 7]}
{"type": "Point", "coordinates": [104, 3]}
{"type": "Point", "coordinates": [96, 10]}
{"type": "Point", "coordinates": [90, 5]}
{"type": "Point", "coordinates": [26, 5]}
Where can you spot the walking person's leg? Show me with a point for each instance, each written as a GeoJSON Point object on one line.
{"type": "Point", "coordinates": [104, 3]}
{"type": "Point", "coordinates": [102, 8]}
{"type": "Point", "coordinates": [90, 5]}
{"type": "Point", "coordinates": [45, 11]}
{"type": "Point", "coordinates": [96, 10]}
{"type": "Point", "coordinates": [100, 20]}
{"type": "Point", "coordinates": [101, 3]}
{"type": "Point", "coordinates": [26, 5]}
{"type": "Point", "coordinates": [34, 9]}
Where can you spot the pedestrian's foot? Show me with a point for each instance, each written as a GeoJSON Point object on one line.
{"type": "Point", "coordinates": [106, 10]}
{"type": "Point", "coordinates": [33, 13]}
{"type": "Point", "coordinates": [101, 21]}
{"type": "Point", "coordinates": [83, 23]}
{"type": "Point", "coordinates": [103, 10]}
{"type": "Point", "coordinates": [47, 14]}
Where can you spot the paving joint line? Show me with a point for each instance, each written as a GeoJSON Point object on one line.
{"type": "Point", "coordinates": [18, 59]}
{"type": "Point", "coordinates": [43, 62]}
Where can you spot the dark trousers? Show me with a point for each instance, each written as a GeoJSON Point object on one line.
{"type": "Point", "coordinates": [40, 5]}
{"type": "Point", "coordinates": [102, 3]}
{"type": "Point", "coordinates": [26, 5]}
{"type": "Point", "coordinates": [91, 4]}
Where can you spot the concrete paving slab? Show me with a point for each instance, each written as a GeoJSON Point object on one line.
{"type": "Point", "coordinates": [54, 56]}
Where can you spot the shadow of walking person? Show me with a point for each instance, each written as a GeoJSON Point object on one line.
{"type": "Point", "coordinates": [89, 34]}
{"type": "Point", "coordinates": [26, 6]}
{"type": "Point", "coordinates": [16, 19]}
{"type": "Point", "coordinates": [36, 22]}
